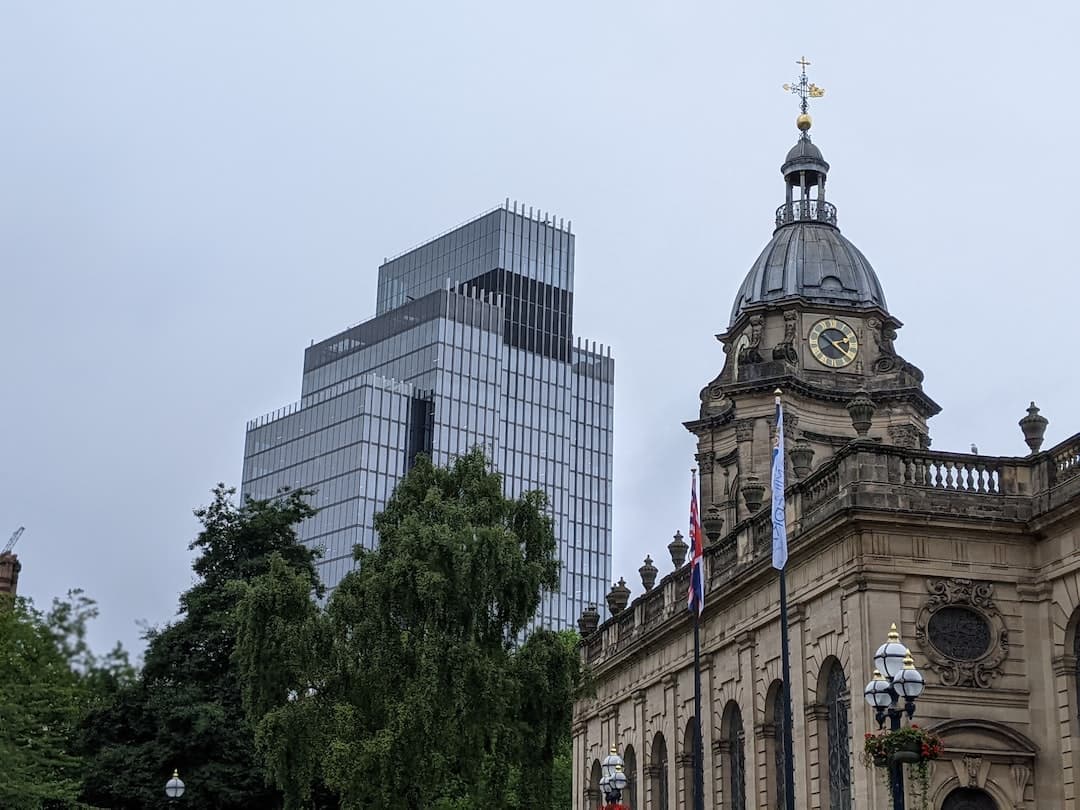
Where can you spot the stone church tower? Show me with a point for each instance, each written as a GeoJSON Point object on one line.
{"type": "Point", "coordinates": [975, 558]}
{"type": "Point", "coordinates": [809, 318]}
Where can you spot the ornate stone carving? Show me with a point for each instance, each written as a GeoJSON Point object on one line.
{"type": "Point", "coordinates": [802, 458]}
{"type": "Point", "coordinates": [888, 360]}
{"type": "Point", "coordinates": [1020, 775]}
{"type": "Point", "coordinates": [589, 621]}
{"type": "Point", "coordinates": [972, 766]}
{"type": "Point", "coordinates": [861, 410]}
{"type": "Point", "coordinates": [962, 632]}
{"type": "Point", "coordinates": [753, 492]}
{"type": "Point", "coordinates": [678, 548]}
{"type": "Point", "coordinates": [713, 401]}
{"type": "Point", "coordinates": [713, 523]}
{"type": "Point", "coordinates": [905, 436]}
{"type": "Point", "coordinates": [617, 597]}
{"type": "Point", "coordinates": [785, 349]}
{"type": "Point", "coordinates": [744, 430]}
{"type": "Point", "coordinates": [705, 461]}
{"type": "Point", "coordinates": [1034, 427]}
{"type": "Point", "coordinates": [750, 353]}
{"type": "Point", "coordinates": [648, 574]}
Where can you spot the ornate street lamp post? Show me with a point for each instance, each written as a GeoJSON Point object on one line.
{"type": "Point", "coordinates": [174, 788]}
{"type": "Point", "coordinates": [895, 679]}
{"type": "Point", "coordinates": [613, 780]}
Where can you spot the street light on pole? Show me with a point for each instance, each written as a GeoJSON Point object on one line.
{"type": "Point", "coordinates": [174, 788]}
{"type": "Point", "coordinates": [613, 781]}
{"type": "Point", "coordinates": [895, 678]}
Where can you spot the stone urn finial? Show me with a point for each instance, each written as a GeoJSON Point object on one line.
{"type": "Point", "coordinates": [753, 492]}
{"type": "Point", "coordinates": [648, 574]}
{"type": "Point", "coordinates": [588, 621]}
{"type": "Point", "coordinates": [802, 458]}
{"type": "Point", "coordinates": [861, 410]}
{"type": "Point", "coordinates": [713, 523]}
{"type": "Point", "coordinates": [1034, 427]}
{"type": "Point", "coordinates": [678, 549]}
{"type": "Point", "coordinates": [617, 597]}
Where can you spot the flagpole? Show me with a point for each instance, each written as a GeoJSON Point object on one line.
{"type": "Point", "coordinates": [780, 558]}
{"type": "Point", "coordinates": [699, 766]}
{"type": "Point", "coordinates": [785, 662]}
{"type": "Point", "coordinates": [696, 603]}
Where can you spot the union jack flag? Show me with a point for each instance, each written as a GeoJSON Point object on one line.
{"type": "Point", "coordinates": [695, 597]}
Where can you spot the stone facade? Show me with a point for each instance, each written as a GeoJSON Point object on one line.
{"type": "Point", "coordinates": [877, 534]}
{"type": "Point", "coordinates": [975, 558]}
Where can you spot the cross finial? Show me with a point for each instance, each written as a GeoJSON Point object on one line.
{"type": "Point", "coordinates": [803, 87]}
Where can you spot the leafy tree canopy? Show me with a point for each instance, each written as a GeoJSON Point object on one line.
{"type": "Point", "coordinates": [410, 689]}
{"type": "Point", "coordinates": [184, 711]}
{"type": "Point", "coordinates": [48, 679]}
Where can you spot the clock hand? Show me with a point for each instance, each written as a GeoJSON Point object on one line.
{"type": "Point", "coordinates": [836, 345]}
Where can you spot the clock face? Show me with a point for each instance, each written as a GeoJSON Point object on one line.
{"type": "Point", "coordinates": [833, 343]}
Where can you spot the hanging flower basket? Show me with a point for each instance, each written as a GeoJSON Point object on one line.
{"type": "Point", "coordinates": [908, 752]}
{"type": "Point", "coordinates": [906, 745]}
{"type": "Point", "coordinates": [912, 746]}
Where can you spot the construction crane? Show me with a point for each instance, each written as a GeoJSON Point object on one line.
{"type": "Point", "coordinates": [14, 539]}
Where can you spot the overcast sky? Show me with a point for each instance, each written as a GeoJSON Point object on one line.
{"type": "Point", "coordinates": [190, 192]}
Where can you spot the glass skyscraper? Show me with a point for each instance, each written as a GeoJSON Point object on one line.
{"type": "Point", "coordinates": [472, 345]}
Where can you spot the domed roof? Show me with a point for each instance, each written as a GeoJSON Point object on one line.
{"type": "Point", "coordinates": [814, 262]}
{"type": "Point", "coordinates": [802, 150]}
{"type": "Point", "coordinates": [807, 257]}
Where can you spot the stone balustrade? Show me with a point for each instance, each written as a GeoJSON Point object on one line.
{"type": "Point", "coordinates": [863, 475]}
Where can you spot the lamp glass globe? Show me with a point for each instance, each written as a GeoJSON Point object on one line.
{"type": "Point", "coordinates": [618, 781]}
{"type": "Point", "coordinates": [174, 788]}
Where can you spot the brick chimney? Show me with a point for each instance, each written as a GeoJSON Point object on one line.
{"type": "Point", "coordinates": [9, 573]}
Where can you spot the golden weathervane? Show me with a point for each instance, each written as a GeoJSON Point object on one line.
{"type": "Point", "coordinates": [805, 90]}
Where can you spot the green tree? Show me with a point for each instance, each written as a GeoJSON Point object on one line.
{"type": "Point", "coordinates": [410, 690]}
{"type": "Point", "coordinates": [49, 678]}
{"type": "Point", "coordinates": [184, 711]}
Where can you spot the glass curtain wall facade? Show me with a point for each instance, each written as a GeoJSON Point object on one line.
{"type": "Point", "coordinates": [471, 346]}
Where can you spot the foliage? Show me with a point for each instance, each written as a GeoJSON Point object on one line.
{"type": "Point", "coordinates": [879, 749]}
{"type": "Point", "coordinates": [185, 710]}
{"type": "Point", "coordinates": [48, 679]}
{"type": "Point", "coordinates": [410, 689]}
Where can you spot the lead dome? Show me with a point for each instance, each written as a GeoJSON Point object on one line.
{"type": "Point", "coordinates": [808, 259]}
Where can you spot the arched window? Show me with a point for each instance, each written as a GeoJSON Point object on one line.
{"type": "Point", "coordinates": [686, 763]}
{"type": "Point", "coordinates": [774, 744]}
{"type": "Point", "coordinates": [839, 738]}
{"type": "Point", "coordinates": [629, 797]}
{"type": "Point", "coordinates": [593, 798]}
{"type": "Point", "coordinates": [969, 799]}
{"type": "Point", "coordinates": [735, 758]}
{"type": "Point", "coordinates": [659, 773]}
{"type": "Point", "coordinates": [1076, 662]}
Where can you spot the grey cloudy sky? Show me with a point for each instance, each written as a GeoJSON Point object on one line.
{"type": "Point", "coordinates": [191, 192]}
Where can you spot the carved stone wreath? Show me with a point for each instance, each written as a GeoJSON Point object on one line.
{"type": "Point", "coordinates": [962, 632]}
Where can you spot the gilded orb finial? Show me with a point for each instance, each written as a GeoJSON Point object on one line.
{"type": "Point", "coordinates": [805, 90]}
{"type": "Point", "coordinates": [894, 634]}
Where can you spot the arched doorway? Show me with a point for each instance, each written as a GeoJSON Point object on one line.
{"type": "Point", "coordinates": [969, 799]}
